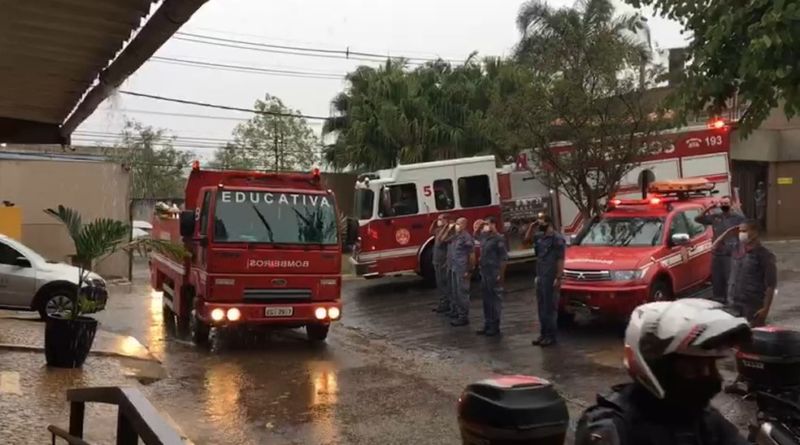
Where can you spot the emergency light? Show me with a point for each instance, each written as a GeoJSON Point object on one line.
{"type": "Point", "coordinates": [716, 124]}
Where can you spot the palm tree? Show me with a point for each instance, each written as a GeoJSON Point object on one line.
{"type": "Point", "coordinates": [568, 40]}
{"type": "Point", "coordinates": [96, 241]}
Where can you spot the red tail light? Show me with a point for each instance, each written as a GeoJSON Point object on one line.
{"type": "Point", "coordinates": [655, 201]}
{"type": "Point", "coordinates": [716, 123]}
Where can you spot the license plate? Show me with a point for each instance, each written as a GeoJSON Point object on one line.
{"type": "Point", "coordinates": [279, 311]}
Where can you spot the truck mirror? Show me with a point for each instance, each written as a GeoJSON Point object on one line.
{"type": "Point", "coordinates": [187, 222]}
{"type": "Point", "coordinates": [680, 239]}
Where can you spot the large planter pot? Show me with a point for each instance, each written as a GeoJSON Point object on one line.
{"type": "Point", "coordinates": [67, 342]}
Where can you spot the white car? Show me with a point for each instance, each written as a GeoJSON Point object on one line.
{"type": "Point", "coordinates": [29, 282]}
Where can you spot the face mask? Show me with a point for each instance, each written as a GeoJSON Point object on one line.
{"type": "Point", "coordinates": [725, 208]}
{"type": "Point", "coordinates": [543, 227]}
{"type": "Point", "coordinates": [459, 227]}
{"type": "Point", "coordinates": [743, 237]}
{"type": "Point", "coordinates": [487, 229]}
{"type": "Point", "coordinates": [688, 395]}
{"type": "Point", "coordinates": [439, 223]}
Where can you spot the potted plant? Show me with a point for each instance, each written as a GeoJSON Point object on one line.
{"type": "Point", "coordinates": [69, 335]}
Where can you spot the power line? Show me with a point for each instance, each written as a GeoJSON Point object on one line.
{"type": "Point", "coordinates": [247, 69]}
{"type": "Point", "coordinates": [198, 116]}
{"type": "Point", "coordinates": [222, 107]}
{"type": "Point", "coordinates": [347, 53]}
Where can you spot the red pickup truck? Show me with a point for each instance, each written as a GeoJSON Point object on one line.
{"type": "Point", "coordinates": [639, 251]}
{"type": "Point", "coordinates": [265, 251]}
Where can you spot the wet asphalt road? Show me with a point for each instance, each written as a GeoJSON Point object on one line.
{"type": "Point", "coordinates": [391, 371]}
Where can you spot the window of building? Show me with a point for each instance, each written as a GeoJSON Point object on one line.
{"type": "Point", "coordinates": [474, 191]}
{"type": "Point", "coordinates": [399, 200]}
{"type": "Point", "coordinates": [443, 194]}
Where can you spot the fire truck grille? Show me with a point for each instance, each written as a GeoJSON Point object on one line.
{"type": "Point", "coordinates": [277, 295]}
{"type": "Point", "coordinates": [587, 275]}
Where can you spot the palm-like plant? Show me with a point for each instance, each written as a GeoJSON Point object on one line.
{"type": "Point", "coordinates": [569, 40]}
{"type": "Point", "coordinates": [96, 241]}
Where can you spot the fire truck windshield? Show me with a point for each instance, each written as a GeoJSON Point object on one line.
{"type": "Point", "coordinates": [275, 217]}
{"type": "Point", "coordinates": [623, 232]}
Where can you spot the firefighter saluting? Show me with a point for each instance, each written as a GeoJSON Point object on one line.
{"type": "Point", "coordinates": [550, 247]}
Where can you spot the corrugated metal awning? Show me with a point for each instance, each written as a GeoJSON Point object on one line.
{"type": "Point", "coordinates": [56, 54]}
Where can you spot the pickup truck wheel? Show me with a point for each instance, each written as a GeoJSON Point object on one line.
{"type": "Point", "coordinates": [565, 319]}
{"type": "Point", "coordinates": [317, 332]}
{"type": "Point", "coordinates": [200, 330]}
{"type": "Point", "coordinates": [56, 300]}
{"type": "Point", "coordinates": [660, 291]}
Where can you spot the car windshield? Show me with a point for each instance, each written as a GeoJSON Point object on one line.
{"type": "Point", "coordinates": [623, 232]}
{"type": "Point", "coordinates": [364, 200]}
{"type": "Point", "coordinates": [274, 217]}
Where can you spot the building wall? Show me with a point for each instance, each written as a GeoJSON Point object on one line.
{"type": "Point", "coordinates": [95, 189]}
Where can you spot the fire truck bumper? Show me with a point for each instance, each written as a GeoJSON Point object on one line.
{"type": "Point", "coordinates": [366, 269]}
{"type": "Point", "coordinates": [616, 302]}
{"type": "Point", "coordinates": [287, 315]}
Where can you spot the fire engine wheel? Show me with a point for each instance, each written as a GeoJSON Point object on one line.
{"type": "Point", "coordinates": [317, 332]}
{"type": "Point", "coordinates": [200, 330]}
{"type": "Point", "coordinates": [660, 291]}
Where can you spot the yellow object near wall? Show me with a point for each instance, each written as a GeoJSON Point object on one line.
{"type": "Point", "coordinates": [11, 222]}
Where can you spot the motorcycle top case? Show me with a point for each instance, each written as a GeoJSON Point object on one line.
{"type": "Point", "coordinates": [771, 359]}
{"type": "Point", "coordinates": [512, 410]}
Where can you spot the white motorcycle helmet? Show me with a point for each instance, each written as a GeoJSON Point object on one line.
{"type": "Point", "coordinates": [691, 326]}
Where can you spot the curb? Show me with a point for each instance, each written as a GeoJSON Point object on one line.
{"type": "Point", "coordinates": [28, 348]}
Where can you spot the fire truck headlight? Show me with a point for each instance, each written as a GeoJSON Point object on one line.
{"type": "Point", "coordinates": [334, 313]}
{"type": "Point", "coordinates": [320, 313]}
{"type": "Point", "coordinates": [625, 275]}
{"type": "Point", "coordinates": [217, 314]}
{"type": "Point", "coordinates": [234, 314]}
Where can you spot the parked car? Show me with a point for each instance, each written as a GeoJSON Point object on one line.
{"type": "Point", "coordinates": [29, 282]}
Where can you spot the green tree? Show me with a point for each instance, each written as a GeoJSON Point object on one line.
{"type": "Point", "coordinates": [390, 115]}
{"type": "Point", "coordinates": [278, 139]}
{"type": "Point", "coordinates": [587, 74]}
{"type": "Point", "coordinates": [158, 170]}
{"type": "Point", "coordinates": [747, 48]}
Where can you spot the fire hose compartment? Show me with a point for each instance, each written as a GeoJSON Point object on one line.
{"type": "Point", "coordinates": [771, 359]}
{"type": "Point", "coordinates": [512, 410]}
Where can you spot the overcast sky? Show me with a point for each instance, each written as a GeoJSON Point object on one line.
{"type": "Point", "coordinates": [414, 28]}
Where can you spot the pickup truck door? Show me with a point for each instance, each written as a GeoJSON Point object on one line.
{"type": "Point", "coordinates": [699, 248]}
{"type": "Point", "coordinates": [677, 259]}
{"type": "Point", "coordinates": [17, 282]}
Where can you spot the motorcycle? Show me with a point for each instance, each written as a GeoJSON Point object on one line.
{"type": "Point", "coordinates": [527, 410]}
{"type": "Point", "coordinates": [769, 366]}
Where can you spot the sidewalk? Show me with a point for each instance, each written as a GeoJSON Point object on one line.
{"type": "Point", "coordinates": [33, 396]}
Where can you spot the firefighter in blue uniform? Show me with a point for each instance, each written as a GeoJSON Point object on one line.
{"type": "Point", "coordinates": [494, 255]}
{"type": "Point", "coordinates": [461, 262]}
{"type": "Point", "coordinates": [550, 247]}
{"type": "Point", "coordinates": [721, 223]}
{"type": "Point", "coordinates": [438, 230]}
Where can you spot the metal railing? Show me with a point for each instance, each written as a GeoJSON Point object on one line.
{"type": "Point", "coordinates": [137, 418]}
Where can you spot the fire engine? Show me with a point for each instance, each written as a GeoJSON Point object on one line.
{"type": "Point", "coordinates": [265, 251]}
{"type": "Point", "coordinates": [394, 210]}
{"type": "Point", "coordinates": [639, 250]}
{"type": "Point", "coordinates": [694, 152]}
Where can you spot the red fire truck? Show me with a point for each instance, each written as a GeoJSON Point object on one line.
{"type": "Point", "coordinates": [394, 209]}
{"type": "Point", "coordinates": [264, 250]}
{"type": "Point", "coordinates": [639, 250]}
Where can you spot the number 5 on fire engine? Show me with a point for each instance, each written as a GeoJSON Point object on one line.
{"type": "Point", "coordinates": [427, 190]}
